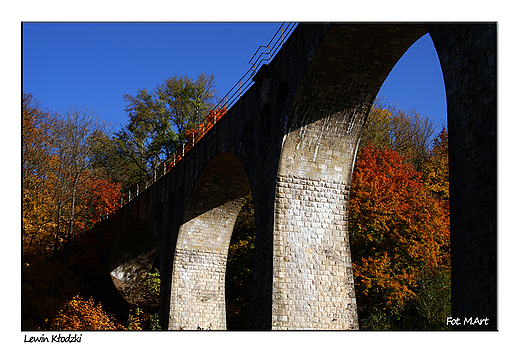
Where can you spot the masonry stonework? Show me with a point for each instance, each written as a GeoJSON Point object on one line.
{"type": "Point", "coordinates": [292, 140]}
{"type": "Point", "coordinates": [468, 56]}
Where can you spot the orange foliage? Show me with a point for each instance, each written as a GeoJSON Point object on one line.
{"type": "Point", "coordinates": [101, 198]}
{"type": "Point", "coordinates": [80, 314]}
{"type": "Point", "coordinates": [57, 208]}
{"type": "Point", "coordinates": [194, 135]}
{"type": "Point", "coordinates": [397, 229]}
{"type": "Point", "coordinates": [37, 191]}
{"type": "Point", "coordinates": [206, 124]}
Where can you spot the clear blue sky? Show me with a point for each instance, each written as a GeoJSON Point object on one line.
{"type": "Point", "coordinates": [93, 65]}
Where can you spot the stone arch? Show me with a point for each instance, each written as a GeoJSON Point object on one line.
{"type": "Point", "coordinates": [334, 73]}
{"type": "Point", "coordinates": [173, 217]}
{"type": "Point", "coordinates": [313, 284]}
{"type": "Point", "coordinates": [198, 281]}
{"type": "Point", "coordinates": [332, 102]}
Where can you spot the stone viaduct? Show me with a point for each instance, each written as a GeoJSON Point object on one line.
{"type": "Point", "coordinates": [292, 140]}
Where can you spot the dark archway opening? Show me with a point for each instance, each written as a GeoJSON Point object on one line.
{"type": "Point", "coordinates": [239, 268]}
{"type": "Point", "coordinates": [137, 276]}
{"type": "Point", "coordinates": [143, 296]}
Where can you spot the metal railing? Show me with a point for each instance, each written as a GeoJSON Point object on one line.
{"type": "Point", "coordinates": [264, 54]}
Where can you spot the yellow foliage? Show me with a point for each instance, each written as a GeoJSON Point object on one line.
{"type": "Point", "coordinates": [398, 231]}
{"type": "Point", "coordinates": [80, 314]}
{"type": "Point", "coordinates": [436, 169]}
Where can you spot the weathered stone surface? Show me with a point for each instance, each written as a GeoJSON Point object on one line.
{"type": "Point", "coordinates": [292, 139]}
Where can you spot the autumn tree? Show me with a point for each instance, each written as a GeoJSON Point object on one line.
{"type": "Point", "coordinates": [57, 167]}
{"type": "Point", "coordinates": [63, 195]}
{"type": "Point", "coordinates": [80, 315]}
{"type": "Point", "coordinates": [77, 136]}
{"type": "Point", "coordinates": [100, 197]}
{"type": "Point", "coordinates": [406, 132]}
{"type": "Point", "coordinates": [377, 129]}
{"type": "Point", "coordinates": [399, 235]}
{"type": "Point", "coordinates": [37, 184]}
{"type": "Point", "coordinates": [436, 170]}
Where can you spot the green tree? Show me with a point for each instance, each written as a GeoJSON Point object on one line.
{"type": "Point", "coordinates": [143, 295]}
{"type": "Point", "coordinates": [160, 119]}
